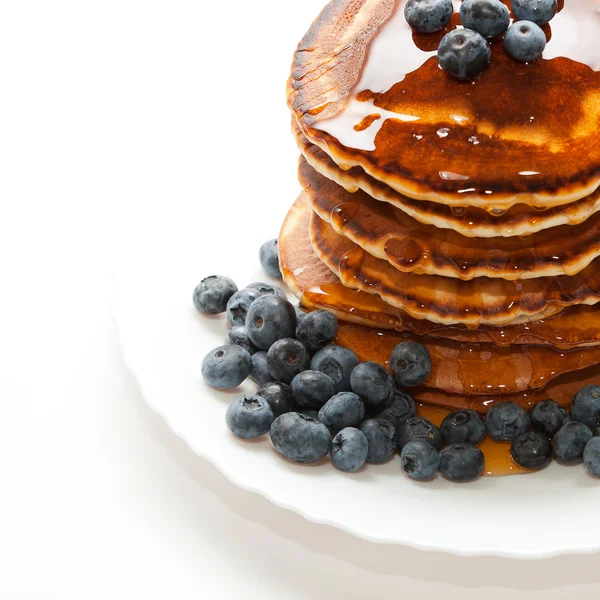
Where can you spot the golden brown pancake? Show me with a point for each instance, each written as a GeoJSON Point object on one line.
{"type": "Point", "coordinates": [481, 301]}
{"type": "Point", "coordinates": [474, 369]}
{"type": "Point", "coordinates": [319, 288]}
{"type": "Point", "coordinates": [391, 235]}
{"type": "Point", "coordinates": [519, 220]}
{"type": "Point", "coordinates": [370, 93]}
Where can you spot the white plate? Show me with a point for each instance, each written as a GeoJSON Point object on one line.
{"type": "Point", "coordinates": [164, 340]}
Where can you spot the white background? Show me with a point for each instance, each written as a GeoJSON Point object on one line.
{"type": "Point", "coordinates": [108, 115]}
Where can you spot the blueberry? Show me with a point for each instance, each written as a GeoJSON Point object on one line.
{"type": "Point", "coordinates": [342, 410]}
{"type": "Point", "coordinates": [312, 389]}
{"type": "Point", "coordinates": [591, 456]}
{"type": "Point", "coordinates": [372, 383]}
{"type": "Point", "coordinates": [269, 258]}
{"type": "Point", "coordinates": [418, 428]}
{"type": "Point", "coordinates": [461, 462]}
{"type": "Point", "coordinates": [524, 41]}
{"type": "Point", "coordinates": [226, 366]}
{"type": "Point", "coordinates": [349, 449]}
{"type": "Point", "coordinates": [278, 395]}
{"type": "Point", "coordinates": [463, 426]}
{"type": "Point", "coordinates": [211, 294]}
{"type": "Point", "coordinates": [548, 417]}
{"type": "Point", "coordinates": [399, 409]}
{"type": "Point", "coordinates": [537, 11]}
{"type": "Point", "coordinates": [300, 438]}
{"type": "Point", "coordinates": [249, 416]}
{"type": "Point", "coordinates": [300, 314]}
{"type": "Point", "coordinates": [586, 406]}
{"type": "Point", "coordinates": [420, 460]}
{"type": "Point", "coordinates": [317, 329]}
{"type": "Point", "coordinates": [286, 358]}
{"type": "Point", "coordinates": [382, 439]}
{"type": "Point", "coordinates": [570, 440]}
{"type": "Point", "coordinates": [239, 304]}
{"type": "Point", "coordinates": [260, 372]}
{"type": "Point", "coordinates": [490, 18]}
{"type": "Point", "coordinates": [238, 335]}
{"type": "Point", "coordinates": [427, 16]}
{"type": "Point", "coordinates": [505, 421]}
{"type": "Point", "coordinates": [265, 289]}
{"type": "Point", "coordinates": [531, 450]}
{"type": "Point", "coordinates": [410, 364]}
{"type": "Point", "coordinates": [337, 362]}
{"type": "Point", "coordinates": [313, 414]}
{"type": "Point", "coordinates": [464, 53]}
{"type": "Point", "coordinates": [270, 318]}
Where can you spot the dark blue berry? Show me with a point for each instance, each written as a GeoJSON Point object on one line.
{"type": "Point", "coordinates": [418, 428]}
{"type": "Point", "coordinates": [420, 460]}
{"type": "Point", "coordinates": [266, 289]}
{"type": "Point", "coordinates": [349, 449]}
{"type": "Point", "coordinates": [570, 440]}
{"type": "Point", "coordinates": [238, 335]}
{"type": "Point", "coordinates": [532, 450]}
{"type": "Point", "coordinates": [300, 314]}
{"type": "Point", "coordinates": [312, 389]}
{"type": "Point", "coordinates": [382, 439]}
{"type": "Point", "coordinates": [586, 406]}
{"type": "Point", "coordinates": [313, 414]}
{"type": "Point", "coordinates": [461, 462]}
{"type": "Point", "coordinates": [372, 383]}
{"type": "Point", "coordinates": [317, 329]}
{"type": "Point", "coordinates": [278, 395]}
{"type": "Point", "coordinates": [410, 364]}
{"type": "Point", "coordinates": [239, 304]}
{"type": "Point", "coordinates": [548, 417]}
{"type": "Point", "coordinates": [345, 409]}
{"type": "Point", "coordinates": [399, 409]}
{"type": "Point", "coordinates": [463, 426]}
{"type": "Point", "coordinates": [226, 366]}
{"type": "Point", "coordinates": [300, 438]}
{"type": "Point", "coordinates": [490, 18]}
{"type": "Point", "coordinates": [211, 294]}
{"type": "Point", "coordinates": [286, 358]}
{"type": "Point", "coordinates": [427, 16]}
{"type": "Point", "coordinates": [270, 318]}
{"type": "Point", "coordinates": [260, 371]}
{"type": "Point", "coordinates": [524, 41]}
{"type": "Point", "coordinates": [337, 362]}
{"type": "Point", "coordinates": [505, 421]}
{"type": "Point", "coordinates": [269, 258]}
{"type": "Point", "coordinates": [591, 456]}
{"type": "Point", "coordinates": [249, 416]}
{"type": "Point", "coordinates": [464, 53]}
{"type": "Point", "coordinates": [537, 11]}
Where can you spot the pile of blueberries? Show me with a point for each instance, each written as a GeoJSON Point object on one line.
{"type": "Point", "coordinates": [316, 398]}
{"type": "Point", "coordinates": [465, 53]}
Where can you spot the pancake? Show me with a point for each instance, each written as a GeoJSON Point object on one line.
{"type": "Point", "coordinates": [469, 221]}
{"type": "Point", "coordinates": [370, 93]}
{"type": "Point", "coordinates": [391, 235]}
{"type": "Point", "coordinates": [474, 369]}
{"type": "Point", "coordinates": [319, 288]}
{"type": "Point", "coordinates": [481, 301]}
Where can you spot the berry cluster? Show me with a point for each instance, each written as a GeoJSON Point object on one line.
{"type": "Point", "coordinates": [316, 398]}
{"type": "Point", "coordinates": [465, 53]}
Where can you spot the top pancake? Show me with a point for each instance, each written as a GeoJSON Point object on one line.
{"type": "Point", "coordinates": [521, 133]}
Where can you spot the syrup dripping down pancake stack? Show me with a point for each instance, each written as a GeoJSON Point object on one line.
{"type": "Point", "coordinates": [462, 215]}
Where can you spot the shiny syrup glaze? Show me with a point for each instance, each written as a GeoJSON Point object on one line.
{"type": "Point", "coordinates": [518, 128]}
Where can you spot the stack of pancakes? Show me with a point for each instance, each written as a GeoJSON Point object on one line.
{"type": "Point", "coordinates": [462, 215]}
